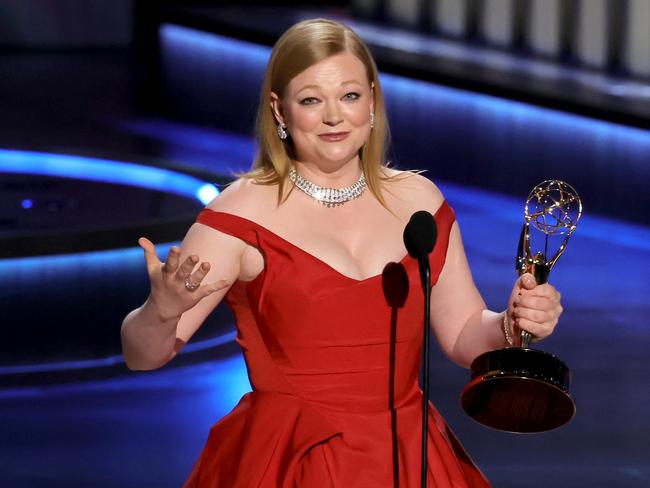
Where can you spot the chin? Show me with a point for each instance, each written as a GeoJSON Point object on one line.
{"type": "Point", "coordinates": [338, 161]}
{"type": "Point", "coordinates": [338, 157]}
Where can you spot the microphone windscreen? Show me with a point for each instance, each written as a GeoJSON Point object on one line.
{"type": "Point", "coordinates": [420, 234]}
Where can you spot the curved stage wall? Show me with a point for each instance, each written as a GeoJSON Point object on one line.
{"type": "Point", "coordinates": [460, 136]}
{"type": "Point", "coordinates": [69, 245]}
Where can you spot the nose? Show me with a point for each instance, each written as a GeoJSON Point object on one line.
{"type": "Point", "coordinates": [332, 115]}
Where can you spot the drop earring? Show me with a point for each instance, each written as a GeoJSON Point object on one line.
{"type": "Point", "coordinates": [282, 133]}
{"type": "Point", "coordinates": [372, 120]}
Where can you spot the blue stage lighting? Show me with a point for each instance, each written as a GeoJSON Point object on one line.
{"type": "Point", "coordinates": [547, 138]}
{"type": "Point", "coordinates": [107, 171]}
{"type": "Point", "coordinates": [108, 361]}
{"type": "Point", "coordinates": [198, 43]}
{"type": "Point", "coordinates": [207, 193]}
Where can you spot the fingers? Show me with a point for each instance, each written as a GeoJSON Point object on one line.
{"type": "Point", "coordinates": [537, 330]}
{"type": "Point", "coordinates": [201, 272]}
{"type": "Point", "coordinates": [150, 256]}
{"type": "Point", "coordinates": [538, 302]}
{"type": "Point", "coordinates": [187, 276]}
{"type": "Point", "coordinates": [527, 281]}
{"type": "Point", "coordinates": [181, 271]}
{"type": "Point", "coordinates": [537, 315]}
{"type": "Point", "coordinates": [534, 308]}
{"type": "Point", "coordinates": [537, 312]}
{"type": "Point", "coordinates": [192, 281]}
{"type": "Point", "coordinates": [171, 265]}
{"type": "Point", "coordinates": [185, 269]}
{"type": "Point", "coordinates": [545, 290]}
{"type": "Point", "coordinates": [210, 288]}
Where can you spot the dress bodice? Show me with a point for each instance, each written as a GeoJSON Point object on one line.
{"type": "Point", "coordinates": [327, 333]}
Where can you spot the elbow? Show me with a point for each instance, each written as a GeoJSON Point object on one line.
{"type": "Point", "coordinates": [470, 341]}
{"type": "Point", "coordinates": [132, 363]}
{"type": "Point", "coordinates": [459, 352]}
{"type": "Point", "coordinates": [139, 358]}
{"type": "Point", "coordinates": [139, 363]}
{"type": "Point", "coordinates": [460, 359]}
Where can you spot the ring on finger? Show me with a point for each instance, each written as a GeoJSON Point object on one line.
{"type": "Point", "coordinates": [191, 285]}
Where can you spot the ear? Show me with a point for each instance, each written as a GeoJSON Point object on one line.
{"type": "Point", "coordinates": [276, 107]}
{"type": "Point", "coordinates": [372, 96]}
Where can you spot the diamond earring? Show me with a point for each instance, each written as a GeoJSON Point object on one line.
{"type": "Point", "coordinates": [372, 120]}
{"type": "Point", "coordinates": [282, 133]}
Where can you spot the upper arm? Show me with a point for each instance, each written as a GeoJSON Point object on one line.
{"type": "Point", "coordinates": [455, 297]}
{"type": "Point", "coordinates": [223, 252]}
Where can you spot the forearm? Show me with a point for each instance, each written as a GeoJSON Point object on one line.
{"type": "Point", "coordinates": [148, 340]}
{"type": "Point", "coordinates": [482, 332]}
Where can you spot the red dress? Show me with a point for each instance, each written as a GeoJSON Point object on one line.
{"type": "Point", "coordinates": [333, 363]}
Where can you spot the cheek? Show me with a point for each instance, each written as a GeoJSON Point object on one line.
{"type": "Point", "coordinates": [303, 120]}
{"type": "Point", "coordinates": [358, 116]}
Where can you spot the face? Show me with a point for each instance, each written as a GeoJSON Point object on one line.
{"type": "Point", "coordinates": [326, 109]}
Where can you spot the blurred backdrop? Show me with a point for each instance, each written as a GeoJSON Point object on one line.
{"type": "Point", "coordinates": [123, 118]}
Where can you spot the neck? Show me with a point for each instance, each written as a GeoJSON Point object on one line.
{"type": "Point", "coordinates": [331, 177]}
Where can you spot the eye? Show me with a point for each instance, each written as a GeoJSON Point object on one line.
{"type": "Point", "coordinates": [351, 96]}
{"type": "Point", "coordinates": [309, 101]}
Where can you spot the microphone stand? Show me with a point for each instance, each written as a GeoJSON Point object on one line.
{"type": "Point", "coordinates": [420, 236]}
{"type": "Point", "coordinates": [425, 275]}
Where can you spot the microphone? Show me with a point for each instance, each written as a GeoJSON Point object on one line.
{"type": "Point", "coordinates": [420, 236]}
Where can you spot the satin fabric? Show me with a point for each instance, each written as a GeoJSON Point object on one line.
{"type": "Point", "coordinates": [333, 363]}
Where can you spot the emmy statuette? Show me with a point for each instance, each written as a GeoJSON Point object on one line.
{"type": "Point", "coordinates": [520, 389]}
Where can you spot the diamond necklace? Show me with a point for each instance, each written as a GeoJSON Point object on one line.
{"type": "Point", "coordinates": [330, 197]}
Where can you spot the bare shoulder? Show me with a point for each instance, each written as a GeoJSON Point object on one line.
{"type": "Point", "coordinates": [246, 198]}
{"type": "Point", "coordinates": [412, 191]}
{"type": "Point", "coordinates": [224, 250]}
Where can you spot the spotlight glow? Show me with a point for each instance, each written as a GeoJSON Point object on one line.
{"type": "Point", "coordinates": [107, 171]}
{"type": "Point", "coordinates": [207, 193]}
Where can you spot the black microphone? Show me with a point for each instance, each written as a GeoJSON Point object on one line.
{"type": "Point", "coordinates": [420, 236]}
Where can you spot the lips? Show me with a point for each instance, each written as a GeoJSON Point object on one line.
{"type": "Point", "coordinates": [334, 136]}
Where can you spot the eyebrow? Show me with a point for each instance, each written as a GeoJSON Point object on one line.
{"type": "Point", "coordinates": [348, 82]}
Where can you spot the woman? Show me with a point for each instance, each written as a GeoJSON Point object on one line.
{"type": "Point", "coordinates": [307, 250]}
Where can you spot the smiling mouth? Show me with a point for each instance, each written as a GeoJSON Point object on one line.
{"type": "Point", "coordinates": [334, 136]}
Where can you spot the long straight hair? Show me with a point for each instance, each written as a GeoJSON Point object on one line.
{"type": "Point", "coordinates": [303, 45]}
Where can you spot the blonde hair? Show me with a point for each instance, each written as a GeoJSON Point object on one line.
{"type": "Point", "coordinates": [303, 45]}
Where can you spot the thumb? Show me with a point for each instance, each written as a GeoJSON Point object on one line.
{"type": "Point", "coordinates": [150, 255]}
{"type": "Point", "coordinates": [527, 281]}
{"type": "Point", "coordinates": [210, 288]}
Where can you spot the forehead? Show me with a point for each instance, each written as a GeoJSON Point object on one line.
{"type": "Point", "coordinates": [333, 70]}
